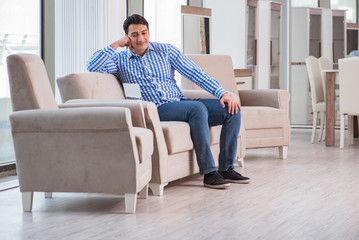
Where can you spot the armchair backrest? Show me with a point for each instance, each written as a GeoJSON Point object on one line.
{"type": "Point", "coordinates": [29, 84]}
{"type": "Point", "coordinates": [90, 86]}
{"type": "Point", "coordinates": [219, 67]}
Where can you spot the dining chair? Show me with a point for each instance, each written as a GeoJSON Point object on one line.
{"type": "Point", "coordinates": [349, 97]}
{"type": "Point", "coordinates": [317, 93]}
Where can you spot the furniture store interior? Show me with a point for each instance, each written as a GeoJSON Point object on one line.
{"type": "Point", "coordinates": [179, 119]}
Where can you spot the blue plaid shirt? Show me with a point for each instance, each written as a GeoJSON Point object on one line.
{"type": "Point", "coordinates": [154, 72]}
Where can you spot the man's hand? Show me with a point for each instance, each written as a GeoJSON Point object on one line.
{"type": "Point", "coordinates": [123, 42]}
{"type": "Point", "coordinates": [233, 105]}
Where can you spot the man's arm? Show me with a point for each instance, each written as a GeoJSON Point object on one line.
{"type": "Point", "coordinates": [104, 60]}
{"type": "Point", "coordinates": [192, 71]}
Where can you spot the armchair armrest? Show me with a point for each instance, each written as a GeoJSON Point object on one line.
{"type": "Point", "coordinates": [267, 98]}
{"type": "Point", "coordinates": [135, 106]}
{"type": "Point", "coordinates": [46, 120]}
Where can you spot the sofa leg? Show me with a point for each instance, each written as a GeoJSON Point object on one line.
{"type": "Point", "coordinates": [130, 202]}
{"type": "Point", "coordinates": [144, 192]}
{"type": "Point", "coordinates": [157, 189]}
{"type": "Point", "coordinates": [27, 198]}
{"type": "Point", "coordinates": [48, 194]}
{"type": "Point", "coordinates": [240, 162]}
{"type": "Point", "coordinates": [283, 152]}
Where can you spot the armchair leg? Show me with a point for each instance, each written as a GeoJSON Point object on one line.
{"type": "Point", "coordinates": [27, 198]}
{"type": "Point", "coordinates": [157, 189]}
{"type": "Point", "coordinates": [283, 152]}
{"type": "Point", "coordinates": [144, 192]}
{"type": "Point", "coordinates": [48, 194]}
{"type": "Point", "coordinates": [130, 202]}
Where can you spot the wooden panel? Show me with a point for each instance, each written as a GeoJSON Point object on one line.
{"type": "Point", "coordinates": [252, 3]}
{"type": "Point", "coordinates": [352, 25]}
{"type": "Point", "coordinates": [276, 6]}
{"type": "Point", "coordinates": [315, 11]}
{"type": "Point", "coordinates": [246, 72]}
{"type": "Point", "coordinates": [196, 10]}
{"type": "Point", "coordinates": [338, 13]}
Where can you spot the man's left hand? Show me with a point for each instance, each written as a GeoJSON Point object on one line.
{"type": "Point", "coordinates": [233, 105]}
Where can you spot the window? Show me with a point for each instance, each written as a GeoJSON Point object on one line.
{"type": "Point", "coordinates": [305, 3]}
{"type": "Point", "coordinates": [351, 7]}
{"type": "Point", "coordinates": [19, 32]}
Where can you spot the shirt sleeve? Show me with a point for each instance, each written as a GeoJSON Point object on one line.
{"type": "Point", "coordinates": [103, 61]}
{"type": "Point", "coordinates": [193, 72]}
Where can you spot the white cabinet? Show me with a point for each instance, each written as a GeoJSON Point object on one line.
{"type": "Point", "coordinates": [315, 32]}
{"type": "Point", "coordinates": [269, 45]}
{"type": "Point", "coordinates": [306, 30]}
{"type": "Point", "coordinates": [352, 37]}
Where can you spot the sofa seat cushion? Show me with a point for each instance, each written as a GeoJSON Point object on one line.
{"type": "Point", "coordinates": [178, 137]}
{"type": "Point", "coordinates": [263, 117]}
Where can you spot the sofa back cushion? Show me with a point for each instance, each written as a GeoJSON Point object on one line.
{"type": "Point", "coordinates": [219, 67]}
{"type": "Point", "coordinates": [90, 86]}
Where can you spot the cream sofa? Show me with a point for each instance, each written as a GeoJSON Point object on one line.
{"type": "Point", "coordinates": [173, 156]}
{"type": "Point", "coordinates": [264, 112]}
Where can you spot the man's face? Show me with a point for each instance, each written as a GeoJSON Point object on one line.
{"type": "Point", "coordinates": [139, 36]}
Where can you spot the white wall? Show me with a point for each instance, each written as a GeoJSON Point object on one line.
{"type": "Point", "coordinates": [229, 29]}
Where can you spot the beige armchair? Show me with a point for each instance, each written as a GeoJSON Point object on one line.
{"type": "Point", "coordinates": [173, 156]}
{"type": "Point", "coordinates": [77, 149]}
{"type": "Point", "coordinates": [264, 112]}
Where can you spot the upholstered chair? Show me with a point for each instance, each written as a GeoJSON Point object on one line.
{"type": "Point", "coordinates": [80, 148]}
{"type": "Point", "coordinates": [265, 117]}
{"type": "Point", "coordinates": [174, 156]}
{"type": "Point", "coordinates": [348, 95]}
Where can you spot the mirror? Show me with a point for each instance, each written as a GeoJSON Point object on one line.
{"type": "Point", "coordinates": [196, 30]}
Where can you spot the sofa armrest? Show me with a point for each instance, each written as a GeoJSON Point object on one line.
{"type": "Point", "coordinates": [275, 98]}
{"type": "Point", "coordinates": [203, 94]}
{"type": "Point", "coordinates": [197, 94]}
{"type": "Point", "coordinates": [135, 106]}
{"type": "Point", "coordinates": [160, 152]}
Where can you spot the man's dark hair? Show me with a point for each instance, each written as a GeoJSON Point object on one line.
{"type": "Point", "coordinates": [134, 19]}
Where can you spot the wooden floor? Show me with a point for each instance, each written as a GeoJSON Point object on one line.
{"type": "Point", "coordinates": [314, 194]}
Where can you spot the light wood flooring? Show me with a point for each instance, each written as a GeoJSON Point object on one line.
{"type": "Point", "coordinates": [314, 194]}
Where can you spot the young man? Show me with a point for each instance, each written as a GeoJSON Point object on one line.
{"type": "Point", "coordinates": [151, 65]}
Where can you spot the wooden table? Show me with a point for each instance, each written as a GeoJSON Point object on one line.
{"type": "Point", "coordinates": [330, 107]}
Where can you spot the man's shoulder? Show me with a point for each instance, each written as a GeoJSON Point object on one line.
{"type": "Point", "coordinates": [161, 47]}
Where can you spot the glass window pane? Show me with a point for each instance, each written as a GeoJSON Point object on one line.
{"type": "Point", "coordinates": [304, 3]}
{"type": "Point", "coordinates": [19, 32]}
{"type": "Point", "coordinates": [349, 5]}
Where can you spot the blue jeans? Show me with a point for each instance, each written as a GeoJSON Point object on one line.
{"type": "Point", "coordinates": [200, 115]}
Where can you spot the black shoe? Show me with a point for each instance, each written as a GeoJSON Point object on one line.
{"type": "Point", "coordinates": [232, 176]}
{"type": "Point", "coordinates": [215, 180]}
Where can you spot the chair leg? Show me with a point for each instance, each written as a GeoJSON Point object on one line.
{"type": "Point", "coordinates": [342, 119]}
{"type": "Point", "coordinates": [283, 152]}
{"type": "Point", "coordinates": [48, 194]}
{"type": "Point", "coordinates": [144, 192]}
{"type": "Point", "coordinates": [315, 119]}
{"type": "Point", "coordinates": [322, 120]}
{"type": "Point", "coordinates": [350, 130]}
{"type": "Point", "coordinates": [240, 162]}
{"type": "Point", "coordinates": [27, 198]}
{"type": "Point", "coordinates": [130, 202]}
{"type": "Point", "coordinates": [157, 189]}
